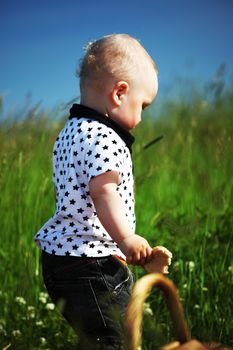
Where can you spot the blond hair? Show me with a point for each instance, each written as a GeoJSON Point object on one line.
{"type": "Point", "coordinates": [118, 56]}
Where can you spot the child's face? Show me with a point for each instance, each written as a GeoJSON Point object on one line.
{"type": "Point", "coordinates": [138, 97]}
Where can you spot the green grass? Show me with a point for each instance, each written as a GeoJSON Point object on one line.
{"type": "Point", "coordinates": [184, 200]}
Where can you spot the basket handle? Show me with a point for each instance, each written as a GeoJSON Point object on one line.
{"type": "Point", "coordinates": [141, 290]}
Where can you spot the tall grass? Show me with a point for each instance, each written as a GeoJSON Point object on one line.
{"type": "Point", "coordinates": [184, 197]}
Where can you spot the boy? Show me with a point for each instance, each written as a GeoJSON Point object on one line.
{"type": "Point", "coordinates": [88, 242]}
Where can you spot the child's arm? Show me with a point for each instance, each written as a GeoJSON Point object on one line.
{"type": "Point", "coordinates": [111, 213]}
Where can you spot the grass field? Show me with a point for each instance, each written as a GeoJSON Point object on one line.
{"type": "Point", "coordinates": [184, 200]}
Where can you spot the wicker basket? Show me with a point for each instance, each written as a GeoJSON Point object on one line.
{"type": "Point", "coordinates": [134, 316]}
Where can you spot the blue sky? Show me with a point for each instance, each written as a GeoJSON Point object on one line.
{"type": "Point", "coordinates": [42, 41]}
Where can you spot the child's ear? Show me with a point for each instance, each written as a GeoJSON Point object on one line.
{"type": "Point", "coordinates": [119, 92]}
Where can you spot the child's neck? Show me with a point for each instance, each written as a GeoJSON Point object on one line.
{"type": "Point", "coordinates": [95, 101]}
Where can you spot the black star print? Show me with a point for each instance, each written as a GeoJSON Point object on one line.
{"type": "Point", "coordinates": [69, 239]}
{"type": "Point", "coordinates": [67, 176]}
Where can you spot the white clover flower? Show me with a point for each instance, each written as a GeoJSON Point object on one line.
{"type": "Point", "coordinates": [185, 285]}
{"type": "Point", "coordinates": [42, 299]}
{"type": "Point", "coordinates": [43, 341]}
{"type": "Point", "coordinates": [176, 264]}
{"type": "Point", "coordinates": [20, 300]}
{"type": "Point", "coordinates": [147, 309]}
{"type": "Point", "coordinates": [196, 306]}
{"type": "Point", "coordinates": [43, 295]}
{"type": "Point", "coordinates": [31, 311]}
{"type": "Point", "coordinates": [2, 331]}
{"type": "Point", "coordinates": [31, 314]}
{"type": "Point", "coordinates": [50, 306]}
{"type": "Point", "coordinates": [31, 308]}
{"type": "Point", "coordinates": [39, 323]}
{"type": "Point", "coordinates": [16, 333]}
{"type": "Point", "coordinates": [191, 265]}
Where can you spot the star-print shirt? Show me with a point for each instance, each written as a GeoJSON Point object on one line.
{"type": "Point", "coordinates": [85, 148]}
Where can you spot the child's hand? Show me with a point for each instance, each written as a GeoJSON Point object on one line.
{"type": "Point", "coordinates": [136, 249]}
{"type": "Point", "coordinates": [159, 261]}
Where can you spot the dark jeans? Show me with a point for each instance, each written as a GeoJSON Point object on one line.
{"type": "Point", "coordinates": [92, 294]}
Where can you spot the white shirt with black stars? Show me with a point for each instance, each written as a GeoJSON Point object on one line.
{"type": "Point", "coordinates": [84, 149]}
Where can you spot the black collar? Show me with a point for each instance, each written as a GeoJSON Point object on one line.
{"type": "Point", "coordinates": [81, 111]}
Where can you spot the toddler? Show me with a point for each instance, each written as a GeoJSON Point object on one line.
{"type": "Point", "coordinates": [90, 240]}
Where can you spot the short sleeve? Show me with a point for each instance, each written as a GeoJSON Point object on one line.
{"type": "Point", "coordinates": [105, 152]}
